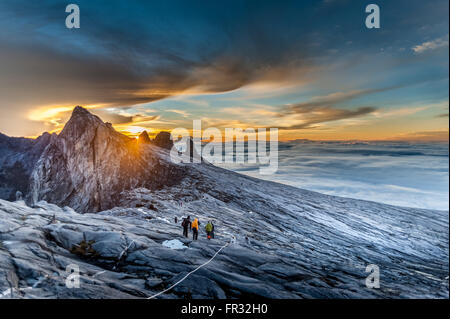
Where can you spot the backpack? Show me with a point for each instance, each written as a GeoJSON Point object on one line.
{"type": "Point", "coordinates": [209, 227]}
{"type": "Point", "coordinates": [184, 223]}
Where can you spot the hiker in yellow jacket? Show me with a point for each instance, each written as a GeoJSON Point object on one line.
{"type": "Point", "coordinates": [194, 226]}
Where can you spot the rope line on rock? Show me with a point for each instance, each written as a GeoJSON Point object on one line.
{"type": "Point", "coordinates": [121, 254]}
{"type": "Point", "coordinates": [193, 271]}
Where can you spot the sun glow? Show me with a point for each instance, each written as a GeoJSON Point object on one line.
{"type": "Point", "coordinates": [49, 114]}
{"type": "Point", "coordinates": [131, 130]}
{"type": "Point", "coordinates": [54, 114]}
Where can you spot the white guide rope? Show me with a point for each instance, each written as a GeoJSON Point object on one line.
{"type": "Point", "coordinates": [190, 273]}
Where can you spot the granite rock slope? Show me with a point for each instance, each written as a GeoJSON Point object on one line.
{"type": "Point", "coordinates": [108, 204]}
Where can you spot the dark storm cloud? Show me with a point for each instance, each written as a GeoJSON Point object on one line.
{"type": "Point", "coordinates": [327, 102]}
{"type": "Point", "coordinates": [326, 108]}
{"type": "Point", "coordinates": [312, 116]}
{"type": "Point", "coordinates": [125, 57]}
{"type": "Point", "coordinates": [133, 52]}
{"type": "Point", "coordinates": [49, 77]}
{"type": "Point", "coordinates": [129, 52]}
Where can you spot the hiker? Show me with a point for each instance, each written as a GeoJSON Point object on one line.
{"type": "Point", "coordinates": [212, 231]}
{"type": "Point", "coordinates": [176, 220]}
{"type": "Point", "coordinates": [209, 229]}
{"type": "Point", "coordinates": [19, 196]}
{"type": "Point", "coordinates": [194, 226]}
{"type": "Point", "coordinates": [186, 224]}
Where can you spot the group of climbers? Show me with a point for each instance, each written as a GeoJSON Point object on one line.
{"type": "Point", "coordinates": [194, 225]}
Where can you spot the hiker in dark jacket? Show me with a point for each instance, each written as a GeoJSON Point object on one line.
{"type": "Point", "coordinates": [212, 232]}
{"type": "Point", "coordinates": [186, 224]}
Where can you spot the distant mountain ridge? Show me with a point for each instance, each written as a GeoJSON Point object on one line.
{"type": "Point", "coordinates": [18, 157]}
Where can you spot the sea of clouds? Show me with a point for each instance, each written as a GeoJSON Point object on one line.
{"type": "Point", "coordinates": [397, 173]}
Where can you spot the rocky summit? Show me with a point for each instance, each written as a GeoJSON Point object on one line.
{"type": "Point", "coordinates": [163, 140]}
{"type": "Point", "coordinates": [89, 164]}
{"type": "Point", "coordinates": [111, 207]}
{"type": "Point", "coordinates": [144, 138]}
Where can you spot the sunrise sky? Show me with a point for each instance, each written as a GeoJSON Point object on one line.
{"type": "Point", "coordinates": [310, 68]}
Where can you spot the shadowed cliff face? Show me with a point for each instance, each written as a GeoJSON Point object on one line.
{"type": "Point", "coordinates": [89, 164]}
{"type": "Point", "coordinates": [18, 157]}
{"type": "Point", "coordinates": [163, 140]}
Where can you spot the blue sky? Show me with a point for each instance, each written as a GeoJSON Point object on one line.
{"type": "Point", "coordinates": [310, 68]}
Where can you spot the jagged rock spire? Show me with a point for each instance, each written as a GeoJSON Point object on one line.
{"type": "Point", "coordinates": [144, 138]}
{"type": "Point", "coordinates": [163, 139]}
{"type": "Point", "coordinates": [80, 123]}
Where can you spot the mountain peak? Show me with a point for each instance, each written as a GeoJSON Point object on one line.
{"type": "Point", "coordinates": [144, 138]}
{"type": "Point", "coordinates": [163, 139]}
{"type": "Point", "coordinates": [80, 122]}
{"type": "Point", "coordinates": [81, 113]}
{"type": "Point", "coordinates": [80, 110]}
{"type": "Point", "coordinates": [89, 164]}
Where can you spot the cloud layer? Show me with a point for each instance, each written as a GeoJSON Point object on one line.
{"type": "Point", "coordinates": [405, 174]}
